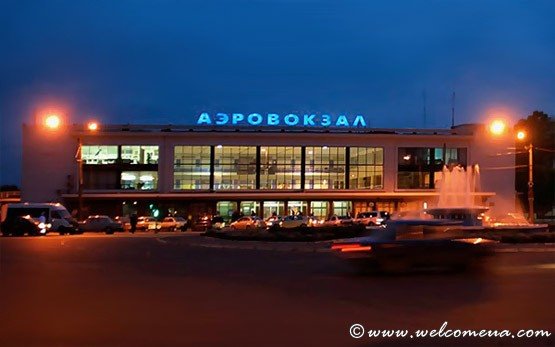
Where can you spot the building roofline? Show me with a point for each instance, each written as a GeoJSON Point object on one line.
{"type": "Point", "coordinates": [180, 129]}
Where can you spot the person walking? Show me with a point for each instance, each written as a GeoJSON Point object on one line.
{"type": "Point", "coordinates": [133, 221]}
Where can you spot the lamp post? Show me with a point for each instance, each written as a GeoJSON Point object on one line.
{"type": "Point", "coordinates": [79, 158]}
{"type": "Point", "coordinates": [92, 127]}
{"type": "Point", "coordinates": [498, 127]}
{"type": "Point", "coordinates": [521, 135]}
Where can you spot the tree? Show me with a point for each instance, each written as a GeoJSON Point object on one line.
{"type": "Point", "coordinates": [540, 131]}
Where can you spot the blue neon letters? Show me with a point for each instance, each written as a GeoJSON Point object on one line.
{"type": "Point", "coordinates": [273, 119]}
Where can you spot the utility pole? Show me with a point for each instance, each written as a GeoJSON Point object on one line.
{"type": "Point", "coordinates": [79, 158]}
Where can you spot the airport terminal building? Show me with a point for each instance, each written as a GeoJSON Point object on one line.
{"type": "Point", "coordinates": [284, 165]}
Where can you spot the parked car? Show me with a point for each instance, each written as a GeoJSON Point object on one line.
{"type": "Point", "coordinates": [173, 224]}
{"type": "Point", "coordinates": [147, 223]}
{"type": "Point", "coordinates": [181, 223]}
{"type": "Point", "coordinates": [371, 218]}
{"type": "Point", "coordinates": [100, 223]}
{"type": "Point", "coordinates": [338, 221]}
{"type": "Point", "coordinates": [273, 221]}
{"type": "Point", "coordinates": [298, 221]}
{"type": "Point", "coordinates": [169, 224]}
{"type": "Point", "coordinates": [248, 222]}
{"type": "Point", "coordinates": [204, 223]}
{"type": "Point", "coordinates": [56, 217]}
{"type": "Point", "coordinates": [124, 220]}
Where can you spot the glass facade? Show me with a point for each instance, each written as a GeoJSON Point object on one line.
{"type": "Point", "coordinates": [226, 208]}
{"type": "Point", "coordinates": [325, 168]}
{"type": "Point", "coordinates": [296, 207]}
{"type": "Point", "coordinates": [280, 167]}
{"type": "Point", "coordinates": [271, 207]}
{"type": "Point", "coordinates": [191, 167]}
{"type": "Point", "coordinates": [139, 180]}
{"type": "Point", "coordinates": [99, 155]}
{"type": "Point", "coordinates": [319, 208]}
{"type": "Point", "coordinates": [342, 208]}
{"type": "Point", "coordinates": [139, 154]}
{"type": "Point", "coordinates": [234, 167]}
{"type": "Point", "coordinates": [420, 167]}
{"type": "Point", "coordinates": [366, 168]}
{"type": "Point", "coordinates": [108, 167]}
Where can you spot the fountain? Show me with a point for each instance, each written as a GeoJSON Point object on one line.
{"type": "Point", "coordinates": [458, 210]}
{"type": "Point", "coordinates": [458, 201]}
{"type": "Point", "coordinates": [457, 196]}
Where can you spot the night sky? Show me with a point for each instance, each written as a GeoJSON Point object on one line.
{"type": "Point", "coordinates": [167, 61]}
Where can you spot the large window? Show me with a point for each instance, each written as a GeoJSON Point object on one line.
{"type": "Point", "coordinates": [235, 167]}
{"type": "Point", "coordinates": [191, 167]}
{"type": "Point", "coordinates": [92, 154]}
{"type": "Point", "coordinates": [325, 168]}
{"type": "Point", "coordinates": [319, 209]}
{"type": "Point", "coordinates": [419, 167]}
{"type": "Point", "coordinates": [139, 180]}
{"type": "Point", "coordinates": [366, 168]}
{"type": "Point", "coordinates": [280, 167]}
{"type": "Point", "coordinates": [139, 154]}
{"type": "Point", "coordinates": [120, 167]}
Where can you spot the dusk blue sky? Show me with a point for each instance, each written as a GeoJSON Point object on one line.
{"type": "Point", "coordinates": [167, 61]}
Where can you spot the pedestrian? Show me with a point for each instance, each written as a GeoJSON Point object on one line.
{"type": "Point", "coordinates": [133, 221]}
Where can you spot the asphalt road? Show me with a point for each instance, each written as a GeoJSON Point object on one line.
{"type": "Point", "coordinates": [149, 290]}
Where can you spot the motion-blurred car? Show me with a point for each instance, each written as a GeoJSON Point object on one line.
{"type": "Point", "coordinates": [299, 221]}
{"type": "Point", "coordinates": [147, 223]}
{"type": "Point", "coordinates": [338, 221]}
{"type": "Point", "coordinates": [248, 222]}
{"type": "Point", "coordinates": [400, 249]}
{"type": "Point", "coordinates": [371, 218]}
{"type": "Point", "coordinates": [100, 223]}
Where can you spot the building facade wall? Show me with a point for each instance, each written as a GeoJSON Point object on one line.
{"type": "Point", "coordinates": [52, 155]}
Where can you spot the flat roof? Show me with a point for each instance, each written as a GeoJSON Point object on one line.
{"type": "Point", "coordinates": [466, 129]}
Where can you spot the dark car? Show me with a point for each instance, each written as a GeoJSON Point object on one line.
{"type": "Point", "coordinates": [205, 223]}
{"type": "Point", "coordinates": [21, 225]}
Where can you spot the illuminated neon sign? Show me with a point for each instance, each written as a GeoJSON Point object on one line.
{"type": "Point", "coordinates": [273, 119]}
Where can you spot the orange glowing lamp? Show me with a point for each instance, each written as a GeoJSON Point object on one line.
{"type": "Point", "coordinates": [497, 127]}
{"type": "Point", "coordinates": [52, 121]}
{"type": "Point", "coordinates": [92, 126]}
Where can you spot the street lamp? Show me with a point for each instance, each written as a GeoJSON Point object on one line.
{"type": "Point", "coordinates": [92, 126]}
{"type": "Point", "coordinates": [497, 127]}
{"type": "Point", "coordinates": [521, 136]}
{"type": "Point", "coordinates": [52, 121]}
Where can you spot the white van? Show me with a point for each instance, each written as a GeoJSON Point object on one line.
{"type": "Point", "coordinates": [56, 216]}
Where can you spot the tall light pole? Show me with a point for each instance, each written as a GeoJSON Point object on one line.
{"type": "Point", "coordinates": [79, 158]}
{"type": "Point", "coordinates": [92, 127]}
{"type": "Point", "coordinates": [521, 135]}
